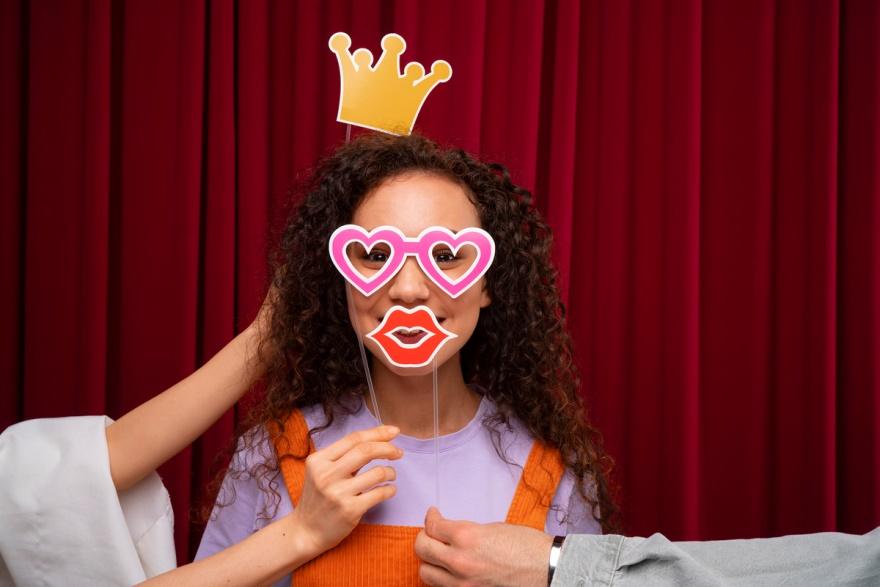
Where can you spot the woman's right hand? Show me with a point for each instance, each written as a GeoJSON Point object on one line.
{"type": "Point", "coordinates": [336, 494]}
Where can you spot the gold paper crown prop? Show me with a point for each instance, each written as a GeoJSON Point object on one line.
{"type": "Point", "coordinates": [378, 97]}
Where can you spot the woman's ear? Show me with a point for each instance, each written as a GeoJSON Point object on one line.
{"type": "Point", "coordinates": [485, 298]}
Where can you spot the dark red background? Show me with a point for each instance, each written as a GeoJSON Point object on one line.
{"type": "Point", "coordinates": [710, 170]}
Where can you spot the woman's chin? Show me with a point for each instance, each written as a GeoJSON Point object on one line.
{"type": "Point", "coordinates": [407, 371]}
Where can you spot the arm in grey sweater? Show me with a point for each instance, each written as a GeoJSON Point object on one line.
{"type": "Point", "coordinates": [810, 559]}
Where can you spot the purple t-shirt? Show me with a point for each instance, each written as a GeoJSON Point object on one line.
{"type": "Point", "coordinates": [474, 482]}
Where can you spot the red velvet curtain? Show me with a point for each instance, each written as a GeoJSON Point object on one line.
{"type": "Point", "coordinates": [710, 170]}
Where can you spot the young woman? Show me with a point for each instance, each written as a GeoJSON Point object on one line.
{"type": "Point", "coordinates": [514, 444]}
{"type": "Point", "coordinates": [335, 491]}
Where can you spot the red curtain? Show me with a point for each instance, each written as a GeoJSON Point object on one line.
{"type": "Point", "coordinates": [710, 170]}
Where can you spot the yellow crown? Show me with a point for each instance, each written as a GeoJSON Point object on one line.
{"type": "Point", "coordinates": [378, 97]}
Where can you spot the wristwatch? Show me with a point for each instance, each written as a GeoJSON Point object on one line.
{"type": "Point", "coordinates": [555, 550]}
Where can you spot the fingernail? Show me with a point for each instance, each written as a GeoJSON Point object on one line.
{"type": "Point", "coordinates": [392, 429]}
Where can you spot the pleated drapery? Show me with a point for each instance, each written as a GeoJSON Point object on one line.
{"type": "Point", "coordinates": [709, 168]}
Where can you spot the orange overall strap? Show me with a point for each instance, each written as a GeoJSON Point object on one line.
{"type": "Point", "coordinates": [537, 486]}
{"type": "Point", "coordinates": [292, 446]}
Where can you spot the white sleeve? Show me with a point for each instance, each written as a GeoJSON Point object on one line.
{"type": "Point", "coordinates": [62, 521]}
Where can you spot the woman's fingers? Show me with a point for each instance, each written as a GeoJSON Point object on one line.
{"type": "Point", "coordinates": [362, 454]}
{"type": "Point", "coordinates": [346, 443]}
{"type": "Point", "coordinates": [374, 496]}
{"type": "Point", "coordinates": [364, 481]}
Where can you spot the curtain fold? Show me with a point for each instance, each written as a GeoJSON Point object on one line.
{"type": "Point", "coordinates": [709, 169]}
{"type": "Point", "coordinates": [14, 27]}
{"type": "Point", "coordinates": [858, 286]}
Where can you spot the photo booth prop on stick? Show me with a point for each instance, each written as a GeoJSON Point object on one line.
{"type": "Point", "coordinates": [411, 337]}
{"type": "Point", "coordinates": [377, 96]}
{"type": "Point", "coordinates": [422, 247]}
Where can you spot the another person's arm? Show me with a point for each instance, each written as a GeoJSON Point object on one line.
{"type": "Point", "coordinates": [809, 559]}
{"type": "Point", "coordinates": [155, 431]}
{"type": "Point", "coordinates": [455, 553]}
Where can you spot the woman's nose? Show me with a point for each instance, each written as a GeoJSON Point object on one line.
{"type": "Point", "coordinates": [410, 285]}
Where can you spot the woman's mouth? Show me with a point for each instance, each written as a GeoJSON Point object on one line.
{"type": "Point", "coordinates": [410, 337]}
{"type": "Point", "coordinates": [440, 319]}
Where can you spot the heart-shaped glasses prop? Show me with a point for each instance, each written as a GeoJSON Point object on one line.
{"type": "Point", "coordinates": [397, 247]}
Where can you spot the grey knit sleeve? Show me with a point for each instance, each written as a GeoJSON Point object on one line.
{"type": "Point", "coordinates": [809, 559]}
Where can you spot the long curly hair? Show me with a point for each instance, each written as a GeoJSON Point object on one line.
{"type": "Point", "coordinates": [520, 352]}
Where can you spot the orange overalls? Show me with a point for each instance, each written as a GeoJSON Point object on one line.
{"type": "Point", "coordinates": [383, 555]}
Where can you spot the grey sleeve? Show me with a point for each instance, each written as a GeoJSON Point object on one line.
{"type": "Point", "coordinates": [809, 559]}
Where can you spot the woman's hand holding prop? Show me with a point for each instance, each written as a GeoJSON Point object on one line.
{"type": "Point", "coordinates": [335, 497]}
{"type": "Point", "coordinates": [336, 494]}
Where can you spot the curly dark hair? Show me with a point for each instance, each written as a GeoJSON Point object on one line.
{"type": "Point", "coordinates": [524, 365]}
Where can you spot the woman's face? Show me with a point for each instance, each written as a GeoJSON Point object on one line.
{"type": "Point", "coordinates": [411, 203]}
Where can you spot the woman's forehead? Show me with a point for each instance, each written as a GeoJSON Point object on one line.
{"type": "Point", "coordinates": [415, 201]}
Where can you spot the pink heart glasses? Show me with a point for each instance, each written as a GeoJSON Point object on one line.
{"type": "Point", "coordinates": [420, 247]}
